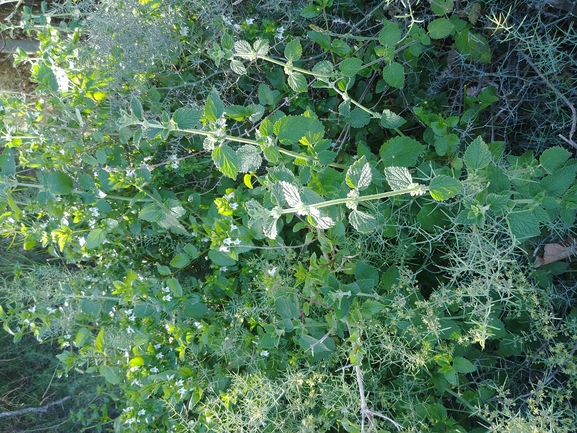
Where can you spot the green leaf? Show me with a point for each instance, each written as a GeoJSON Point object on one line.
{"type": "Point", "coordinates": [95, 238]}
{"type": "Point", "coordinates": [554, 158]}
{"type": "Point", "coordinates": [394, 75]}
{"type": "Point", "coordinates": [175, 288]}
{"type": "Point", "coordinates": [266, 96]}
{"type": "Point", "coordinates": [109, 374]}
{"type": "Point", "coordinates": [293, 51]}
{"type": "Point", "coordinates": [523, 225]}
{"type": "Point", "coordinates": [99, 342]}
{"type": "Point", "coordinates": [165, 215]}
{"type": "Point", "coordinates": [473, 46]}
{"type": "Point", "coordinates": [136, 108]}
{"type": "Point", "coordinates": [261, 47]}
{"type": "Point", "coordinates": [444, 187]}
{"type": "Point", "coordinates": [398, 178]}
{"type": "Point", "coordinates": [290, 129]}
{"type": "Point", "coordinates": [323, 68]}
{"type": "Point", "coordinates": [401, 152]}
{"type": "Point", "coordinates": [180, 261]}
{"type": "Point", "coordinates": [8, 162]}
{"type": "Point", "coordinates": [297, 82]}
{"type": "Point", "coordinates": [186, 118]}
{"type": "Point", "coordinates": [359, 174]}
{"type": "Point", "coordinates": [440, 28]}
{"type": "Point", "coordinates": [243, 49]}
{"type": "Point", "coordinates": [227, 41]}
{"type": "Point", "coordinates": [559, 182]}
{"type": "Point", "coordinates": [82, 337]}
{"type": "Point", "coordinates": [350, 66]}
{"type": "Point", "coordinates": [477, 156]}
{"type": "Point", "coordinates": [291, 194]}
{"type": "Point", "coordinates": [226, 160]}
{"type": "Point", "coordinates": [442, 7]}
{"type": "Point", "coordinates": [194, 309]}
{"type": "Point", "coordinates": [358, 118]}
{"type": "Point", "coordinates": [391, 120]}
{"type": "Point", "coordinates": [340, 47]}
{"type": "Point", "coordinates": [287, 308]}
{"type": "Point", "coordinates": [390, 35]}
{"type": "Point", "coordinates": [137, 361]}
{"type": "Point", "coordinates": [214, 108]}
{"type": "Point", "coordinates": [314, 345]}
{"type": "Point", "coordinates": [362, 221]}
{"type": "Point", "coordinates": [463, 365]}
{"type": "Point", "coordinates": [59, 183]}
{"type": "Point", "coordinates": [237, 67]}
{"type": "Point", "coordinates": [311, 11]}
{"type": "Point", "coordinates": [249, 158]}
{"type": "Point", "coordinates": [46, 77]}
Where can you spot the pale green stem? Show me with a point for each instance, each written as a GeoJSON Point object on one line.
{"type": "Point", "coordinates": [378, 196]}
{"type": "Point", "coordinates": [38, 186]}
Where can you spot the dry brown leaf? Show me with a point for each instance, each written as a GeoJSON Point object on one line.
{"type": "Point", "coordinates": [555, 252]}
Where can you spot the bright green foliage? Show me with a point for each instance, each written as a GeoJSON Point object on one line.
{"type": "Point", "coordinates": [288, 222]}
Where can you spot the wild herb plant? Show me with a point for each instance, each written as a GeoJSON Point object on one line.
{"type": "Point", "coordinates": [320, 239]}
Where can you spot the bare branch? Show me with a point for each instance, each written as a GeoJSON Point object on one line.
{"type": "Point", "coordinates": [42, 409]}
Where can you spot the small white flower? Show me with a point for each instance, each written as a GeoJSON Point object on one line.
{"type": "Point", "coordinates": [179, 382]}
{"type": "Point", "coordinates": [132, 318]}
{"type": "Point", "coordinates": [141, 412]}
{"type": "Point", "coordinates": [33, 309]}
{"type": "Point", "coordinates": [264, 353]}
{"type": "Point", "coordinates": [184, 31]}
{"type": "Point", "coordinates": [237, 242]}
{"type": "Point", "coordinates": [280, 32]}
{"type": "Point", "coordinates": [82, 241]}
{"type": "Point", "coordinates": [250, 21]}
{"type": "Point", "coordinates": [157, 346]}
{"type": "Point", "coordinates": [159, 356]}
{"type": "Point", "coordinates": [224, 249]}
{"type": "Point", "coordinates": [182, 391]}
{"type": "Point", "coordinates": [167, 298]}
{"type": "Point", "coordinates": [272, 271]}
{"type": "Point", "coordinates": [233, 227]}
{"type": "Point", "coordinates": [223, 269]}
{"type": "Point", "coordinates": [66, 344]}
{"type": "Point", "coordinates": [51, 310]}
{"type": "Point", "coordinates": [130, 330]}
{"type": "Point", "coordinates": [227, 241]}
{"type": "Point", "coordinates": [154, 370]}
{"type": "Point", "coordinates": [234, 206]}
{"type": "Point", "coordinates": [94, 211]}
{"type": "Point", "coordinates": [165, 289]}
{"type": "Point", "coordinates": [174, 165]}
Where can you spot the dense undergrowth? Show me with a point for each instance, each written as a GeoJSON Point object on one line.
{"type": "Point", "coordinates": [292, 216]}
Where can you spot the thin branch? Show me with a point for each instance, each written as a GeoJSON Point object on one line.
{"type": "Point", "coordinates": [42, 409]}
{"type": "Point", "coordinates": [560, 95]}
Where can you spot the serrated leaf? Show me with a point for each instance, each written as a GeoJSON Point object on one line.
{"type": "Point", "coordinates": [442, 7]}
{"type": "Point", "coordinates": [291, 194]}
{"type": "Point", "coordinates": [214, 107]}
{"type": "Point", "coordinates": [463, 365]}
{"type": "Point", "coordinates": [227, 41]}
{"type": "Point", "coordinates": [391, 120]}
{"type": "Point", "coordinates": [226, 160]}
{"type": "Point", "coordinates": [554, 158]}
{"type": "Point", "coordinates": [249, 158]}
{"type": "Point", "coordinates": [390, 35]}
{"type": "Point", "coordinates": [256, 111]}
{"type": "Point", "coordinates": [444, 187]}
{"type": "Point", "coordinates": [297, 82]}
{"type": "Point", "coordinates": [362, 221]}
{"type": "Point", "coordinates": [473, 46]}
{"type": "Point", "coordinates": [394, 75]}
{"type": "Point", "coordinates": [293, 51]}
{"type": "Point", "coordinates": [237, 67]}
{"type": "Point", "coordinates": [290, 129]}
{"type": "Point", "coordinates": [358, 118]}
{"type": "Point", "coordinates": [243, 49]}
{"type": "Point", "coordinates": [287, 308]}
{"type": "Point", "coordinates": [186, 118]}
{"type": "Point", "coordinates": [440, 28]}
{"type": "Point", "coordinates": [319, 219]}
{"type": "Point", "coordinates": [95, 238]}
{"type": "Point", "coordinates": [261, 47]}
{"type": "Point", "coordinates": [59, 183]}
{"type": "Point", "coordinates": [324, 69]}
{"type": "Point", "coordinates": [398, 178]}
{"type": "Point", "coordinates": [359, 175]}
{"type": "Point", "coordinates": [477, 156]}
{"type": "Point", "coordinates": [136, 107]}
{"type": "Point", "coordinates": [559, 182]}
{"type": "Point", "coordinates": [350, 66]}
{"type": "Point", "coordinates": [401, 152]}
{"type": "Point", "coordinates": [523, 225]}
